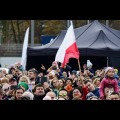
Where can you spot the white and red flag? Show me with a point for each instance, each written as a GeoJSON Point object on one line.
{"type": "Point", "coordinates": [68, 48]}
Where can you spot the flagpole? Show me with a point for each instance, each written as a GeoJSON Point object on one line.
{"type": "Point", "coordinates": [79, 65]}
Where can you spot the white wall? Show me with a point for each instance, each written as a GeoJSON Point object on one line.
{"type": "Point", "coordinates": [7, 61]}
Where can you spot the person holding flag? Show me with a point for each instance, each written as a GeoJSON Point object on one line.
{"type": "Point", "coordinates": [68, 48]}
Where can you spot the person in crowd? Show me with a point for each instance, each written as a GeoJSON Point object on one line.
{"type": "Point", "coordinates": [108, 81]}
{"type": "Point", "coordinates": [61, 84]}
{"type": "Point", "coordinates": [91, 96]}
{"type": "Point", "coordinates": [107, 92]}
{"type": "Point", "coordinates": [114, 96]}
{"type": "Point", "coordinates": [39, 92]}
{"type": "Point", "coordinates": [46, 87]}
{"type": "Point", "coordinates": [77, 94]}
{"type": "Point", "coordinates": [28, 95]}
{"type": "Point", "coordinates": [68, 84]}
{"type": "Point", "coordinates": [66, 69]}
{"type": "Point", "coordinates": [91, 88]}
{"type": "Point", "coordinates": [63, 93]}
{"type": "Point", "coordinates": [96, 82]}
{"type": "Point", "coordinates": [89, 66]}
{"type": "Point", "coordinates": [52, 95]}
{"type": "Point", "coordinates": [55, 86]}
{"type": "Point", "coordinates": [17, 94]}
{"type": "Point", "coordinates": [33, 75]}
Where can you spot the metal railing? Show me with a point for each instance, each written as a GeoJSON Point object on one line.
{"type": "Point", "coordinates": [15, 50]}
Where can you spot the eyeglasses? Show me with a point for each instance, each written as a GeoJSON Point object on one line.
{"type": "Point", "coordinates": [63, 94]}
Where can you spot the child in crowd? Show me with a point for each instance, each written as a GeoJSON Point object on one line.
{"type": "Point", "coordinates": [107, 81]}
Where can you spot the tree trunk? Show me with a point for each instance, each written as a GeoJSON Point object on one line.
{"type": "Point", "coordinates": [18, 27]}
{"type": "Point", "coordinates": [14, 35]}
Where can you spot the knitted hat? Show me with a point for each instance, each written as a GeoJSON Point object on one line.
{"type": "Point", "coordinates": [24, 84]}
{"type": "Point", "coordinates": [47, 97]}
{"type": "Point", "coordinates": [74, 71]}
{"type": "Point", "coordinates": [108, 68]}
{"type": "Point", "coordinates": [54, 62]}
{"type": "Point", "coordinates": [28, 94]}
{"type": "Point", "coordinates": [89, 95]}
{"type": "Point", "coordinates": [89, 63]}
{"type": "Point", "coordinates": [116, 70]}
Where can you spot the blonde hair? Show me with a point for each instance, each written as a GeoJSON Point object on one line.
{"type": "Point", "coordinates": [4, 80]}
{"type": "Point", "coordinates": [95, 80]}
{"type": "Point", "coordinates": [24, 79]}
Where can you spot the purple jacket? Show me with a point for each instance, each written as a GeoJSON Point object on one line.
{"type": "Point", "coordinates": [106, 82]}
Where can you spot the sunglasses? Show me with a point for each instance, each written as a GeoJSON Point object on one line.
{"type": "Point", "coordinates": [63, 94]}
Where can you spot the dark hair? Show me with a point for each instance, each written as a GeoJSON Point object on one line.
{"type": "Point", "coordinates": [37, 85]}
{"type": "Point", "coordinates": [19, 88]}
{"type": "Point", "coordinates": [87, 81]}
{"type": "Point", "coordinates": [64, 90]}
{"type": "Point", "coordinates": [70, 94]}
{"type": "Point", "coordinates": [13, 87]}
{"type": "Point", "coordinates": [34, 71]}
{"type": "Point", "coordinates": [69, 79]}
{"type": "Point", "coordinates": [114, 93]}
{"type": "Point", "coordinates": [12, 79]}
{"type": "Point", "coordinates": [52, 82]}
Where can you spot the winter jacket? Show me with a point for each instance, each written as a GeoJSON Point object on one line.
{"type": "Point", "coordinates": [107, 82]}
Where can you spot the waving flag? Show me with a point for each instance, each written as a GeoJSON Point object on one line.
{"type": "Point", "coordinates": [24, 51]}
{"type": "Point", "coordinates": [68, 48]}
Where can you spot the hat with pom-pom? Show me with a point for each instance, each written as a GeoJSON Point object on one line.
{"type": "Point", "coordinates": [116, 70]}
{"type": "Point", "coordinates": [108, 68]}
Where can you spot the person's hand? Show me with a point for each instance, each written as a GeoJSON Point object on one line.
{"type": "Point", "coordinates": [46, 85]}
{"type": "Point", "coordinates": [42, 67]}
{"type": "Point", "coordinates": [58, 70]}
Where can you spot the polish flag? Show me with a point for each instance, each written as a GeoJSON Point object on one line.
{"type": "Point", "coordinates": [68, 48]}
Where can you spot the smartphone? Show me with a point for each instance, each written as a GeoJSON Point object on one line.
{"type": "Point", "coordinates": [13, 87]}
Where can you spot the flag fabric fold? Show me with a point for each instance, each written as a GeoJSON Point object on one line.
{"type": "Point", "coordinates": [68, 48]}
{"type": "Point", "coordinates": [24, 51]}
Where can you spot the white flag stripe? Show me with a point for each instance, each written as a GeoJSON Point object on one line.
{"type": "Point", "coordinates": [68, 41]}
{"type": "Point", "coordinates": [24, 51]}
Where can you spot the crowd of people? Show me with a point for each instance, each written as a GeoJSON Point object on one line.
{"type": "Point", "coordinates": [57, 83]}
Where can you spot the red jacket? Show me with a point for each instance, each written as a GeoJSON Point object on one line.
{"type": "Point", "coordinates": [85, 92]}
{"type": "Point", "coordinates": [106, 82]}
